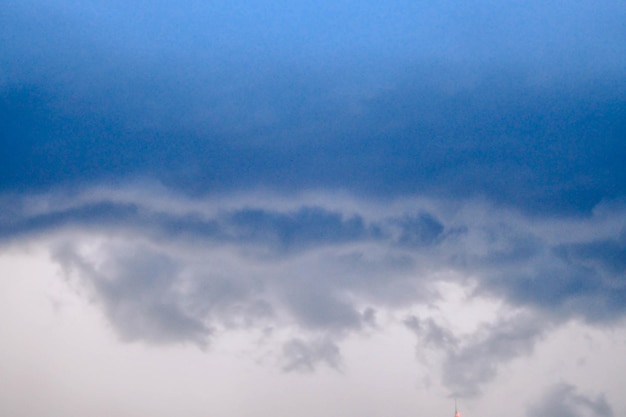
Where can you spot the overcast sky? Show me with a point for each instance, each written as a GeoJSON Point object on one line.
{"type": "Point", "coordinates": [255, 209]}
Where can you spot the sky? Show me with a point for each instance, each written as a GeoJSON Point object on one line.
{"type": "Point", "coordinates": [329, 209]}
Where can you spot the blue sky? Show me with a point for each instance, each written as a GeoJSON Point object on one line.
{"type": "Point", "coordinates": [286, 190]}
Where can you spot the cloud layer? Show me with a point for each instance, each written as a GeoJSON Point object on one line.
{"type": "Point", "coordinates": [312, 173]}
{"type": "Point", "coordinates": [564, 400]}
{"type": "Point", "coordinates": [168, 269]}
{"type": "Point", "coordinates": [447, 111]}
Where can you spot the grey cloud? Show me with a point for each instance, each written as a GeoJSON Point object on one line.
{"type": "Point", "coordinates": [176, 269]}
{"type": "Point", "coordinates": [84, 216]}
{"type": "Point", "coordinates": [564, 400]}
{"type": "Point", "coordinates": [432, 335]}
{"type": "Point", "coordinates": [307, 226]}
{"type": "Point", "coordinates": [280, 232]}
{"type": "Point", "coordinates": [168, 276]}
{"type": "Point", "coordinates": [578, 277]}
{"type": "Point", "coordinates": [378, 275]}
{"type": "Point", "coordinates": [564, 276]}
{"type": "Point", "coordinates": [420, 230]}
{"type": "Point", "coordinates": [102, 215]}
{"type": "Point", "coordinates": [153, 294]}
{"type": "Point", "coordinates": [305, 355]}
{"type": "Point", "coordinates": [141, 293]}
{"type": "Point", "coordinates": [607, 255]}
{"type": "Point", "coordinates": [478, 361]}
{"type": "Point", "coordinates": [474, 360]}
{"type": "Point", "coordinates": [561, 286]}
{"type": "Point", "coordinates": [315, 300]}
{"type": "Point", "coordinates": [521, 105]}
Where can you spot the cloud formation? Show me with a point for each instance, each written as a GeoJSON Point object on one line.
{"type": "Point", "coordinates": [168, 269]}
{"type": "Point", "coordinates": [303, 356]}
{"type": "Point", "coordinates": [565, 400]}
{"type": "Point", "coordinates": [541, 132]}
{"type": "Point", "coordinates": [315, 172]}
{"type": "Point", "coordinates": [473, 360]}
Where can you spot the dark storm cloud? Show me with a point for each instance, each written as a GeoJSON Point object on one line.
{"type": "Point", "coordinates": [504, 122]}
{"type": "Point", "coordinates": [222, 97]}
{"type": "Point", "coordinates": [420, 230]}
{"type": "Point", "coordinates": [171, 274]}
{"type": "Point", "coordinates": [89, 215]}
{"type": "Point", "coordinates": [510, 255]}
{"type": "Point", "coordinates": [168, 269]}
{"type": "Point", "coordinates": [581, 278]}
{"type": "Point", "coordinates": [565, 400]}
{"type": "Point", "coordinates": [558, 150]}
{"type": "Point", "coordinates": [307, 226]}
{"type": "Point", "coordinates": [280, 231]}
{"type": "Point", "coordinates": [609, 256]}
